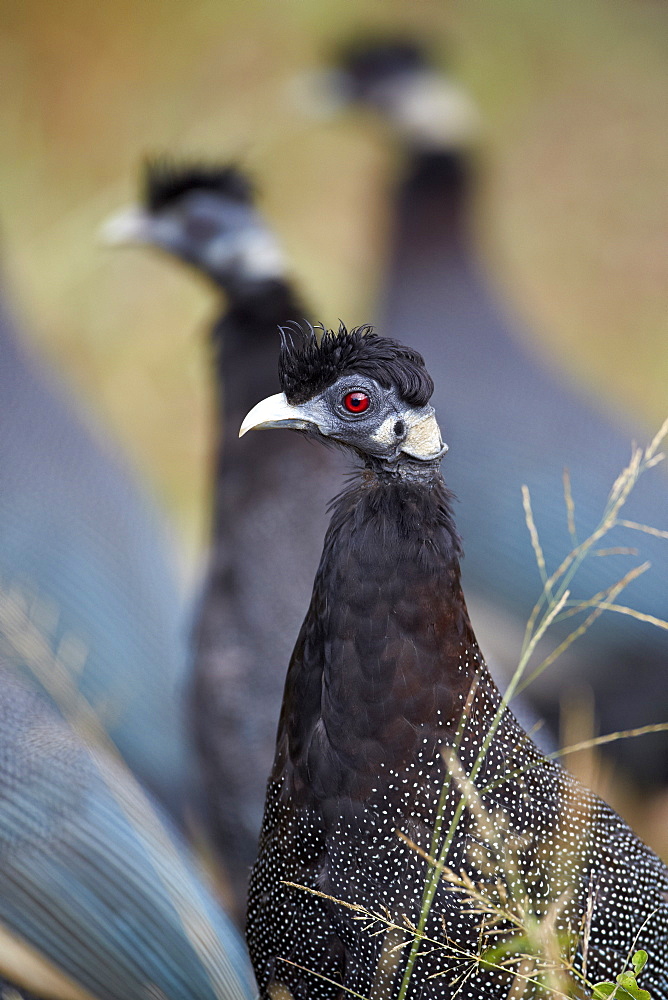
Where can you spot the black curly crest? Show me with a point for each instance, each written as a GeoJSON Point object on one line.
{"type": "Point", "coordinates": [165, 182]}
{"type": "Point", "coordinates": [309, 367]}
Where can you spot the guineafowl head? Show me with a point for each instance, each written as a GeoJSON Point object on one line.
{"type": "Point", "coordinates": [398, 80]}
{"type": "Point", "coordinates": [357, 389]}
{"type": "Point", "coordinates": [368, 63]}
{"type": "Point", "coordinates": [203, 215]}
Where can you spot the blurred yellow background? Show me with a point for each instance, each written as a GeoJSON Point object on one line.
{"type": "Point", "coordinates": [572, 217]}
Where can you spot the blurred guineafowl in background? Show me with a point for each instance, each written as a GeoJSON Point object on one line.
{"type": "Point", "coordinates": [269, 504]}
{"type": "Point", "coordinates": [75, 531]}
{"type": "Point", "coordinates": [97, 898]}
{"type": "Point", "coordinates": [386, 675]}
{"type": "Point", "coordinates": [512, 420]}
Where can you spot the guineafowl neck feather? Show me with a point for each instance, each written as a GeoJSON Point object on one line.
{"type": "Point", "coordinates": [434, 205]}
{"type": "Point", "coordinates": [244, 342]}
{"type": "Point", "coordinates": [378, 665]}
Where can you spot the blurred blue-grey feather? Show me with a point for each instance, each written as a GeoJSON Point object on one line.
{"type": "Point", "coordinates": [77, 531]}
{"type": "Point", "coordinates": [92, 878]}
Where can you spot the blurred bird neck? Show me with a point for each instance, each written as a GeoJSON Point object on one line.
{"type": "Point", "coordinates": [386, 655]}
{"type": "Point", "coordinates": [245, 342]}
{"type": "Point", "coordinates": [443, 171]}
{"type": "Point", "coordinates": [434, 202]}
{"type": "Point", "coordinates": [244, 345]}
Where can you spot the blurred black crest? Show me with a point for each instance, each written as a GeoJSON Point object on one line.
{"type": "Point", "coordinates": [368, 60]}
{"type": "Point", "coordinates": [307, 365]}
{"type": "Point", "coordinates": [165, 182]}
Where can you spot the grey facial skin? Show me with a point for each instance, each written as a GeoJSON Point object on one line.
{"type": "Point", "coordinates": [384, 430]}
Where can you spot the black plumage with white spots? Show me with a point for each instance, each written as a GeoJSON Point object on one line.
{"type": "Point", "coordinates": [385, 665]}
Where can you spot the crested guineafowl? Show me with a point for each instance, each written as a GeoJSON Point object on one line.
{"type": "Point", "coordinates": [512, 419]}
{"type": "Point", "coordinates": [394, 747]}
{"type": "Point", "coordinates": [269, 505]}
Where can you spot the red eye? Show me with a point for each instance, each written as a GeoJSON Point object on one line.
{"type": "Point", "coordinates": [356, 402]}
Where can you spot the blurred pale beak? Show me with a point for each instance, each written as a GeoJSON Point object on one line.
{"type": "Point", "coordinates": [319, 94]}
{"type": "Point", "coordinates": [275, 411]}
{"type": "Point", "coordinates": [131, 225]}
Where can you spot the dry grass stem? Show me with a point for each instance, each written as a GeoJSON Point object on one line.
{"type": "Point", "coordinates": [657, 532]}
{"type": "Point", "coordinates": [603, 596]}
{"type": "Point", "coordinates": [570, 507]}
{"type": "Point", "coordinates": [533, 534]}
{"type": "Point", "coordinates": [325, 979]}
{"type": "Point", "coordinates": [620, 609]}
{"type": "Point", "coordinates": [600, 602]}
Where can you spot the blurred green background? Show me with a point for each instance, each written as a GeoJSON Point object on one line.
{"type": "Point", "coordinates": [572, 217]}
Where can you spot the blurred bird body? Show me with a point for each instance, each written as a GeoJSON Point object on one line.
{"type": "Point", "coordinates": [269, 505]}
{"type": "Point", "coordinates": [97, 897]}
{"type": "Point", "coordinates": [267, 517]}
{"type": "Point", "coordinates": [512, 421]}
{"type": "Point", "coordinates": [76, 532]}
{"type": "Point", "coordinates": [387, 677]}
